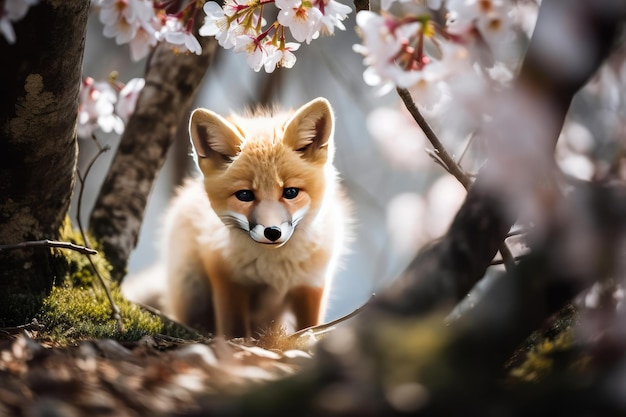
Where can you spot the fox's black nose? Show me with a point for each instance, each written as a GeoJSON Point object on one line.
{"type": "Point", "coordinates": [272, 233]}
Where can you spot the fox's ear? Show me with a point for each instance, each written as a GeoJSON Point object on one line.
{"type": "Point", "coordinates": [214, 137]}
{"type": "Point", "coordinates": [310, 130]}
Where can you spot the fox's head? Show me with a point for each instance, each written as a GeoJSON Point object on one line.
{"type": "Point", "coordinates": [266, 174]}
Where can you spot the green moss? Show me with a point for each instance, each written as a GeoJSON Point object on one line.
{"type": "Point", "coordinates": [78, 308]}
{"type": "Point", "coordinates": [550, 350]}
{"type": "Point", "coordinates": [74, 313]}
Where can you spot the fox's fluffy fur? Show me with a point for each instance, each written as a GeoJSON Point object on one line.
{"type": "Point", "coordinates": [234, 265]}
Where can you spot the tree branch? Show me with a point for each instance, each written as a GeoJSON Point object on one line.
{"type": "Point", "coordinates": [171, 83]}
{"type": "Point", "coordinates": [446, 160]}
{"type": "Point", "coordinates": [445, 272]}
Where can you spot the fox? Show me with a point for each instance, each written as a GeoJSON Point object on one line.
{"type": "Point", "coordinates": [260, 233]}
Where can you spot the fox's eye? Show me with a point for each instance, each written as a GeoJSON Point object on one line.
{"type": "Point", "coordinates": [245, 195]}
{"type": "Point", "coordinates": [290, 192]}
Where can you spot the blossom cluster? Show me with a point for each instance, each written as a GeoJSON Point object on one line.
{"type": "Point", "coordinates": [241, 26]}
{"type": "Point", "coordinates": [426, 47]}
{"type": "Point", "coordinates": [12, 11]}
{"type": "Point", "coordinates": [106, 105]}
{"type": "Point", "coordinates": [143, 23]}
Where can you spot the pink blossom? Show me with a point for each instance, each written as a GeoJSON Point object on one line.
{"type": "Point", "coordinates": [302, 19]}
{"type": "Point", "coordinates": [383, 40]}
{"type": "Point", "coordinates": [130, 21]}
{"type": "Point", "coordinates": [333, 15]}
{"type": "Point", "coordinates": [96, 108]}
{"type": "Point", "coordinates": [256, 55]}
{"type": "Point", "coordinates": [490, 19]}
{"type": "Point", "coordinates": [280, 57]}
{"type": "Point", "coordinates": [128, 96]}
{"type": "Point", "coordinates": [122, 18]}
{"type": "Point", "coordinates": [175, 33]}
{"type": "Point", "coordinates": [217, 23]}
{"type": "Point", "coordinates": [144, 40]}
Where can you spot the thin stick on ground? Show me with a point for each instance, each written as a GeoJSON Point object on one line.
{"type": "Point", "coordinates": [444, 159]}
{"type": "Point", "coordinates": [324, 327]}
{"type": "Point", "coordinates": [115, 310]}
{"type": "Point", "coordinates": [45, 243]}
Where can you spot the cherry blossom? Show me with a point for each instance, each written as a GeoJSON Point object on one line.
{"type": "Point", "coordinates": [416, 51]}
{"type": "Point", "coordinates": [123, 18]}
{"type": "Point", "coordinates": [128, 96]}
{"type": "Point", "coordinates": [96, 108]}
{"type": "Point", "coordinates": [13, 11]}
{"type": "Point", "coordinates": [144, 23]}
{"type": "Point", "coordinates": [143, 42]}
{"type": "Point", "coordinates": [219, 24]}
{"type": "Point", "coordinates": [480, 21]}
{"type": "Point", "coordinates": [302, 19]}
{"type": "Point", "coordinates": [280, 57]}
{"type": "Point", "coordinates": [230, 22]}
{"type": "Point", "coordinates": [179, 36]}
{"type": "Point", "coordinates": [240, 26]}
{"type": "Point", "coordinates": [333, 14]}
{"type": "Point", "coordinates": [383, 40]}
{"type": "Point", "coordinates": [256, 55]}
{"type": "Point", "coordinates": [106, 105]}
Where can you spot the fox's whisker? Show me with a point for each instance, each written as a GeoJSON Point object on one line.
{"type": "Point", "coordinates": [236, 220]}
{"type": "Point", "coordinates": [299, 215]}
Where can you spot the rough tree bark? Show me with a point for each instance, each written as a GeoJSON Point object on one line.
{"type": "Point", "coordinates": [171, 83]}
{"type": "Point", "coordinates": [39, 86]}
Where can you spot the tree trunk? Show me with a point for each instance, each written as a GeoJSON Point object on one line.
{"type": "Point", "coordinates": [171, 83]}
{"type": "Point", "coordinates": [39, 86]}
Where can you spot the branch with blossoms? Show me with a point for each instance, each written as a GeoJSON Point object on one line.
{"type": "Point", "coordinates": [242, 27]}
{"type": "Point", "coordinates": [143, 23]}
{"type": "Point", "coordinates": [415, 49]}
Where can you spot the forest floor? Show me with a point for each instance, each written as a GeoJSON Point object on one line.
{"type": "Point", "coordinates": [154, 376]}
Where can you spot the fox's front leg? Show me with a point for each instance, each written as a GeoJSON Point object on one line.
{"type": "Point", "coordinates": [307, 305]}
{"type": "Point", "coordinates": [232, 309]}
{"type": "Point", "coordinates": [231, 302]}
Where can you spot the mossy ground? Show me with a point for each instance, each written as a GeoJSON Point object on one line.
{"type": "Point", "coordinates": [78, 308]}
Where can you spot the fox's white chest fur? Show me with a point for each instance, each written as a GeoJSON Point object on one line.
{"type": "Point", "coordinates": [263, 229]}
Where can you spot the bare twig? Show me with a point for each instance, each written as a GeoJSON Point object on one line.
{"type": "Point", "coordinates": [115, 310]}
{"type": "Point", "coordinates": [443, 158]}
{"type": "Point", "coordinates": [324, 327]}
{"type": "Point", "coordinates": [79, 203]}
{"type": "Point", "coordinates": [50, 244]}
{"type": "Point", "coordinates": [434, 155]}
{"type": "Point", "coordinates": [443, 154]}
{"type": "Point", "coordinates": [470, 140]}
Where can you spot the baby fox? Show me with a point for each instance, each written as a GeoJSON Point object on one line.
{"type": "Point", "coordinates": [261, 233]}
